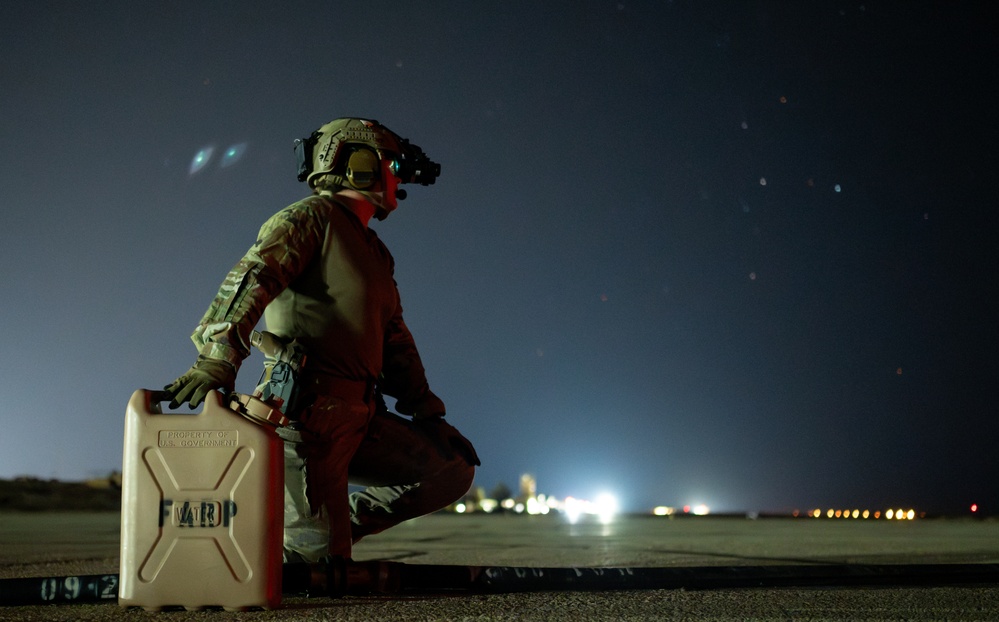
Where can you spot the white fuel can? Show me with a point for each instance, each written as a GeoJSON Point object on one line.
{"type": "Point", "coordinates": [202, 505]}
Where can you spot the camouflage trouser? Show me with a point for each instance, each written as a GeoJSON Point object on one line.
{"type": "Point", "coordinates": [306, 537]}
{"type": "Point", "coordinates": [409, 469]}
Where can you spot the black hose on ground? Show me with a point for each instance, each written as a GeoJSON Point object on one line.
{"type": "Point", "coordinates": [337, 578]}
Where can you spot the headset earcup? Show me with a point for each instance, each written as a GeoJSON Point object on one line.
{"type": "Point", "coordinates": [362, 168]}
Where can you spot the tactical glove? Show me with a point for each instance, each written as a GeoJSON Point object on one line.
{"type": "Point", "coordinates": [430, 407]}
{"type": "Point", "coordinates": [448, 439]}
{"type": "Point", "coordinates": [206, 374]}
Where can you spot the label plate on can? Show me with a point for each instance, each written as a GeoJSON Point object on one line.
{"type": "Point", "coordinates": [198, 439]}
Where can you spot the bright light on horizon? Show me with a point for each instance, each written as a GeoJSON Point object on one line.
{"type": "Point", "coordinates": [605, 507]}
{"type": "Point", "coordinates": [573, 508]}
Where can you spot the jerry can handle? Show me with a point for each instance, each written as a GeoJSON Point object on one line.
{"type": "Point", "coordinates": [156, 397]}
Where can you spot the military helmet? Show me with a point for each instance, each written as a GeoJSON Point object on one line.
{"type": "Point", "coordinates": [344, 148]}
{"type": "Point", "coordinates": [351, 142]}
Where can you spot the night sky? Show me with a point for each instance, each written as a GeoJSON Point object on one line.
{"type": "Point", "coordinates": [735, 253]}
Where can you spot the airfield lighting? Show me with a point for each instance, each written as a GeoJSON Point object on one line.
{"type": "Point", "coordinates": [890, 514]}
{"type": "Point", "coordinates": [700, 510]}
{"type": "Point", "coordinates": [605, 507]}
{"type": "Point", "coordinates": [573, 509]}
{"type": "Point", "coordinates": [536, 505]}
{"type": "Point", "coordinates": [488, 505]}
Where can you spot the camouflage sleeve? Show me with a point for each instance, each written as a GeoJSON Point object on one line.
{"type": "Point", "coordinates": [286, 244]}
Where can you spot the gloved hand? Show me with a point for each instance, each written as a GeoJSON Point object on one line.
{"type": "Point", "coordinates": [448, 439]}
{"type": "Point", "coordinates": [206, 374]}
{"type": "Point", "coordinates": [430, 407]}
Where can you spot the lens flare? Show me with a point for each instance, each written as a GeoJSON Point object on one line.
{"type": "Point", "coordinates": [201, 160]}
{"type": "Point", "coordinates": [234, 153]}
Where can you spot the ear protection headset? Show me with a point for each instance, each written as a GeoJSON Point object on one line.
{"type": "Point", "coordinates": [362, 168]}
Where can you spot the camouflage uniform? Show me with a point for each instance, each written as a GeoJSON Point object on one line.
{"type": "Point", "coordinates": [319, 275]}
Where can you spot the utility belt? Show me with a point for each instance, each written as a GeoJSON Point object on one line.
{"type": "Point", "coordinates": [288, 383]}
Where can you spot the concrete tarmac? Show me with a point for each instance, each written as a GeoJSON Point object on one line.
{"type": "Point", "coordinates": [38, 545]}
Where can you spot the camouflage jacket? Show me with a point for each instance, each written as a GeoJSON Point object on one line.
{"type": "Point", "coordinates": [318, 274]}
